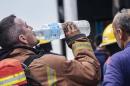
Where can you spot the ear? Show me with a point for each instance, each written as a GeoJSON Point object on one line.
{"type": "Point", "coordinates": [23, 39]}
{"type": "Point", "coordinates": [122, 35]}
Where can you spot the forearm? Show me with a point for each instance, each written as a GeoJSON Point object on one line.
{"type": "Point", "coordinates": [86, 60]}
{"type": "Point", "coordinates": [85, 65]}
{"type": "Point", "coordinates": [81, 44]}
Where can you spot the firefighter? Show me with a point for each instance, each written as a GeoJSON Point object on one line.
{"type": "Point", "coordinates": [110, 45]}
{"type": "Point", "coordinates": [109, 41]}
{"type": "Point", "coordinates": [50, 69]}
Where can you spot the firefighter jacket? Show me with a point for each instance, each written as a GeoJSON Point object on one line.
{"type": "Point", "coordinates": [56, 70]}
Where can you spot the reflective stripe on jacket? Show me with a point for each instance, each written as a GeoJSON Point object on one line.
{"type": "Point", "coordinates": [11, 73]}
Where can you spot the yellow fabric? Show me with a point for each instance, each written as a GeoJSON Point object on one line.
{"type": "Point", "coordinates": [108, 36]}
{"type": "Point", "coordinates": [81, 45]}
{"type": "Point", "coordinates": [41, 41]}
{"type": "Point", "coordinates": [51, 74]}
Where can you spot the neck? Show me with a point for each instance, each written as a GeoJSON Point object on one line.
{"type": "Point", "coordinates": [128, 40]}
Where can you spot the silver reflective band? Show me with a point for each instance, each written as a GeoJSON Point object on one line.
{"type": "Point", "coordinates": [14, 79]}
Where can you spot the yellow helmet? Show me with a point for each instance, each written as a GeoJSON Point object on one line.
{"type": "Point", "coordinates": [108, 36]}
{"type": "Point", "coordinates": [41, 41]}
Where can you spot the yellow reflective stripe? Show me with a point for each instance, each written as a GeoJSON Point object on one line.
{"type": "Point", "coordinates": [13, 79]}
{"type": "Point", "coordinates": [11, 76]}
{"type": "Point", "coordinates": [78, 46]}
{"type": "Point", "coordinates": [51, 74]}
{"type": "Point", "coordinates": [13, 82]}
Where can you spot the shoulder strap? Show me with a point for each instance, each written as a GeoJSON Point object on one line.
{"type": "Point", "coordinates": [31, 80]}
{"type": "Point", "coordinates": [31, 58]}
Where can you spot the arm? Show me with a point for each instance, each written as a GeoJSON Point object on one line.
{"type": "Point", "coordinates": [85, 68]}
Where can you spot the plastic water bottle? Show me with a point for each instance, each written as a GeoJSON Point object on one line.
{"type": "Point", "coordinates": [54, 31]}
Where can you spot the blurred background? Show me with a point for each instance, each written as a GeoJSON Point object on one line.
{"type": "Point", "coordinates": [99, 13]}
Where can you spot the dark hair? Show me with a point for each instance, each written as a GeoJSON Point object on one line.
{"type": "Point", "coordinates": [8, 32]}
{"type": "Point", "coordinates": [122, 20]}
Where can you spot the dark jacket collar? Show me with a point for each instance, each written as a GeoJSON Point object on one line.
{"type": "Point", "coordinates": [6, 52]}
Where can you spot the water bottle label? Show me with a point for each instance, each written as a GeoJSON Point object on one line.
{"type": "Point", "coordinates": [53, 32]}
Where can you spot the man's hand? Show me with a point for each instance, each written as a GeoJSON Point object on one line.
{"type": "Point", "coordinates": [70, 29]}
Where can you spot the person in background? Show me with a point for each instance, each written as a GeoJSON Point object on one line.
{"type": "Point", "coordinates": [109, 40]}
{"type": "Point", "coordinates": [50, 69]}
{"type": "Point", "coordinates": [106, 47]}
{"type": "Point", "coordinates": [109, 43]}
{"type": "Point", "coordinates": [118, 69]}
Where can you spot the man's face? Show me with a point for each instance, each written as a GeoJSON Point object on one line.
{"type": "Point", "coordinates": [30, 37]}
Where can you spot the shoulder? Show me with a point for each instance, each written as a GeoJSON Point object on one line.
{"type": "Point", "coordinates": [117, 57]}
{"type": "Point", "coordinates": [51, 59]}
{"type": "Point", "coordinates": [54, 61]}
{"type": "Point", "coordinates": [120, 58]}
{"type": "Point", "coordinates": [121, 55]}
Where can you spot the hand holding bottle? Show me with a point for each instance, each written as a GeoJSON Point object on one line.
{"type": "Point", "coordinates": [70, 29]}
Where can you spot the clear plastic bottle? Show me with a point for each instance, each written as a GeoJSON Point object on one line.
{"type": "Point", "coordinates": [54, 31]}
